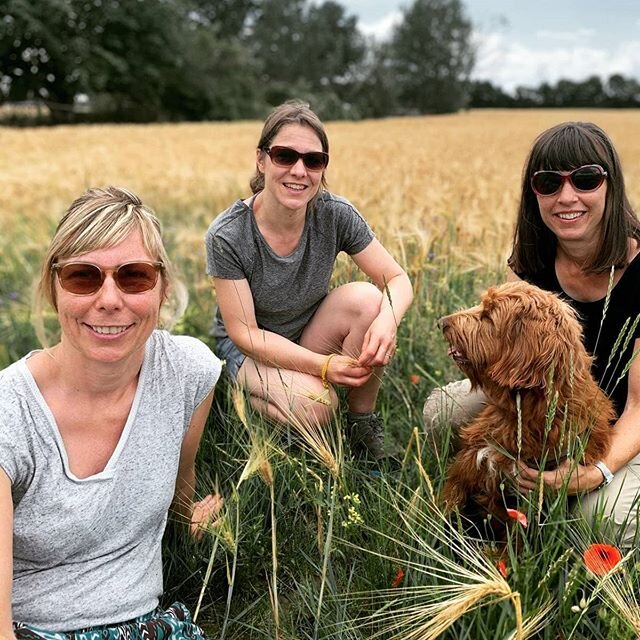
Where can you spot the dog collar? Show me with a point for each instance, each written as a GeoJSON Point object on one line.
{"type": "Point", "coordinates": [606, 473]}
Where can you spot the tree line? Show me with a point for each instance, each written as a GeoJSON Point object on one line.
{"type": "Point", "coordinates": [146, 60]}
{"type": "Point", "coordinates": [614, 92]}
{"type": "Point", "coordinates": [156, 60]}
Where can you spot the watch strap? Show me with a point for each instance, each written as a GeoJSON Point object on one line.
{"type": "Point", "coordinates": [606, 473]}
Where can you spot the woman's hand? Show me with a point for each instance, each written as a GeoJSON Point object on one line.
{"type": "Point", "coordinates": [379, 344]}
{"type": "Point", "coordinates": [347, 371]}
{"type": "Point", "coordinates": [203, 512]}
{"type": "Point", "coordinates": [581, 477]}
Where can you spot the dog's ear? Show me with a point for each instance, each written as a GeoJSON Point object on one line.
{"type": "Point", "coordinates": [538, 344]}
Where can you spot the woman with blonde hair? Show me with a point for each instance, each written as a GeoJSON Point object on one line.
{"type": "Point", "coordinates": [98, 435]}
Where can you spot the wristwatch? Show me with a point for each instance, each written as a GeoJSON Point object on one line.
{"type": "Point", "coordinates": [606, 473]}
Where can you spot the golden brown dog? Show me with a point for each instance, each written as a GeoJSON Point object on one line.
{"type": "Point", "coordinates": [522, 346]}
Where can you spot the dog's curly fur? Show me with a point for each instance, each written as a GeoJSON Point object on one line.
{"type": "Point", "coordinates": [522, 341]}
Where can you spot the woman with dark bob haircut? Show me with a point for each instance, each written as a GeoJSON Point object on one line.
{"type": "Point", "coordinates": [577, 235]}
{"type": "Point", "coordinates": [566, 146]}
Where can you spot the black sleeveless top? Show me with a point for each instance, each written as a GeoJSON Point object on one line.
{"type": "Point", "coordinates": [606, 336]}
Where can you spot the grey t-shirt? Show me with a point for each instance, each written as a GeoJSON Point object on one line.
{"type": "Point", "coordinates": [286, 290]}
{"type": "Point", "coordinates": [88, 551]}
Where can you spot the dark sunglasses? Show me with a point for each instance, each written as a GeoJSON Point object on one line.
{"type": "Point", "coordinates": [85, 278]}
{"type": "Point", "coordinates": [584, 179]}
{"type": "Point", "coordinates": [287, 157]}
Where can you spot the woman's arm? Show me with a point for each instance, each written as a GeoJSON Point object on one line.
{"type": "Point", "coordinates": [6, 556]}
{"type": "Point", "coordinates": [200, 513]}
{"type": "Point", "coordinates": [625, 440]}
{"type": "Point", "coordinates": [397, 294]}
{"type": "Point", "coordinates": [238, 314]}
{"type": "Point", "coordinates": [625, 445]}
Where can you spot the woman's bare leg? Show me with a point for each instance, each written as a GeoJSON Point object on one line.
{"type": "Point", "coordinates": [338, 326]}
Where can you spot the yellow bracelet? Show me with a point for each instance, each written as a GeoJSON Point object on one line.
{"type": "Point", "coordinates": [325, 368]}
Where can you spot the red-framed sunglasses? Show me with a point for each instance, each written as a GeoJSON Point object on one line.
{"type": "Point", "coordinates": [287, 157]}
{"type": "Point", "coordinates": [85, 278]}
{"type": "Point", "coordinates": [584, 179]}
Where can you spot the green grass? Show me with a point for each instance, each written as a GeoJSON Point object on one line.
{"type": "Point", "coordinates": [330, 542]}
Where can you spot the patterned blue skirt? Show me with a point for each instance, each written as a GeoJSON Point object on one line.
{"type": "Point", "coordinates": [173, 623]}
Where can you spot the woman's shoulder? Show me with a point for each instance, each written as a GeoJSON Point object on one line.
{"type": "Point", "coordinates": [629, 281]}
{"type": "Point", "coordinates": [340, 208]}
{"type": "Point", "coordinates": [545, 278]}
{"type": "Point", "coordinates": [634, 260]}
{"type": "Point", "coordinates": [333, 200]}
{"type": "Point", "coordinates": [234, 216]}
{"type": "Point", "coordinates": [186, 350]}
{"type": "Point", "coordinates": [14, 377]}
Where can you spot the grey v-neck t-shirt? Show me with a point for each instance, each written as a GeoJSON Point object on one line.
{"type": "Point", "coordinates": [87, 551]}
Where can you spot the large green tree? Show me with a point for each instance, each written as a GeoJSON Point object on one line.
{"type": "Point", "coordinates": [124, 54]}
{"type": "Point", "coordinates": [431, 55]}
{"type": "Point", "coordinates": [41, 52]}
{"type": "Point", "coordinates": [307, 50]}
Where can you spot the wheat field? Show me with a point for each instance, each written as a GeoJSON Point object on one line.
{"type": "Point", "coordinates": [407, 175]}
{"type": "Point", "coordinates": [441, 193]}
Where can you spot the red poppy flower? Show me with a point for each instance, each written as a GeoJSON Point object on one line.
{"type": "Point", "coordinates": [414, 378]}
{"type": "Point", "coordinates": [502, 568]}
{"type": "Point", "coordinates": [519, 516]}
{"type": "Point", "coordinates": [601, 558]}
{"type": "Point", "coordinates": [398, 578]}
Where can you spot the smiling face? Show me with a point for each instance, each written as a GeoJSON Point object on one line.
{"type": "Point", "coordinates": [574, 216]}
{"type": "Point", "coordinates": [291, 188]}
{"type": "Point", "coordinates": [109, 325]}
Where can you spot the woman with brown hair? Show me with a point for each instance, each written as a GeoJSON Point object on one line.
{"type": "Point", "coordinates": [285, 337]}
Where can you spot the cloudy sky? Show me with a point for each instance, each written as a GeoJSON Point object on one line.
{"type": "Point", "coordinates": [526, 42]}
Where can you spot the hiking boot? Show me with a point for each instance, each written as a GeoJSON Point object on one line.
{"type": "Point", "coordinates": [365, 432]}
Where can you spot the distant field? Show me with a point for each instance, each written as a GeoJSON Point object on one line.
{"type": "Point", "coordinates": [407, 175]}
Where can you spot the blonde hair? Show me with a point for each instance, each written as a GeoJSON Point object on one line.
{"type": "Point", "coordinates": [101, 218]}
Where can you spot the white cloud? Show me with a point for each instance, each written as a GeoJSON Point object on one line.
{"type": "Point", "coordinates": [509, 64]}
{"type": "Point", "coordinates": [381, 29]}
{"type": "Point", "coordinates": [578, 35]}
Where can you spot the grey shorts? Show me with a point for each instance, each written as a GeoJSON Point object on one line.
{"type": "Point", "coordinates": [226, 350]}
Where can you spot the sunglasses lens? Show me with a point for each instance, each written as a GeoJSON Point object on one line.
{"type": "Point", "coordinates": [545, 183]}
{"type": "Point", "coordinates": [315, 161]}
{"type": "Point", "coordinates": [81, 279]}
{"type": "Point", "coordinates": [287, 157]}
{"type": "Point", "coordinates": [136, 277]}
{"type": "Point", "coordinates": [283, 156]}
{"type": "Point", "coordinates": [587, 178]}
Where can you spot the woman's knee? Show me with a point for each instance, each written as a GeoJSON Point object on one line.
{"type": "Point", "coordinates": [452, 406]}
{"type": "Point", "coordinates": [363, 299]}
{"type": "Point", "coordinates": [615, 508]}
